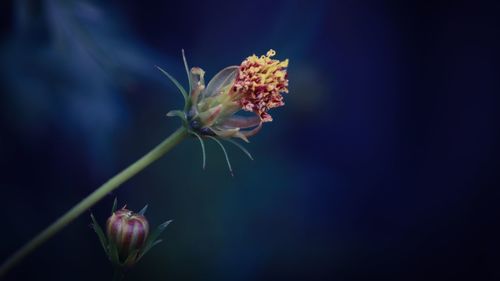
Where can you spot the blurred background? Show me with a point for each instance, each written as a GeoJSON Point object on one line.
{"type": "Point", "coordinates": [383, 165]}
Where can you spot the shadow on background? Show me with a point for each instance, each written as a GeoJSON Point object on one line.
{"type": "Point", "coordinates": [383, 165]}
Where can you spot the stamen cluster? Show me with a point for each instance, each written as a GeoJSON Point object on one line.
{"type": "Point", "coordinates": [260, 82]}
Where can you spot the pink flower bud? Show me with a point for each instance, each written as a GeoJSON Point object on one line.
{"type": "Point", "coordinates": [127, 230]}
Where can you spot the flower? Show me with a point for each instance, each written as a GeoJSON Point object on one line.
{"type": "Point", "coordinates": [127, 237]}
{"type": "Point", "coordinates": [255, 86]}
{"type": "Point", "coordinates": [260, 83]}
{"type": "Point", "coordinates": [128, 231]}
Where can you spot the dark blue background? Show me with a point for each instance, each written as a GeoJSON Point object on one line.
{"type": "Point", "coordinates": [383, 165]}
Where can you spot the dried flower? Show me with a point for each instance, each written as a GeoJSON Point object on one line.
{"type": "Point", "coordinates": [255, 86]}
{"type": "Point", "coordinates": [210, 110]}
{"type": "Point", "coordinates": [260, 83]}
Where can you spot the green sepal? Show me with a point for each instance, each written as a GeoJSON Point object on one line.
{"type": "Point", "coordinates": [152, 239]}
{"type": "Point", "coordinates": [202, 143]}
{"type": "Point", "coordinates": [131, 259]}
{"type": "Point", "coordinates": [187, 69]}
{"type": "Point", "coordinates": [177, 113]}
{"type": "Point", "coordinates": [241, 147]}
{"type": "Point", "coordinates": [143, 210]}
{"type": "Point", "coordinates": [181, 115]}
{"type": "Point", "coordinates": [156, 243]}
{"type": "Point", "coordinates": [113, 255]}
{"type": "Point", "coordinates": [98, 230]}
{"type": "Point", "coordinates": [225, 154]}
{"type": "Point", "coordinates": [176, 83]}
{"type": "Point", "coordinates": [115, 204]}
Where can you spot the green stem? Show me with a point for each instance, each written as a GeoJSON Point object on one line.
{"type": "Point", "coordinates": [118, 274]}
{"type": "Point", "coordinates": [94, 197]}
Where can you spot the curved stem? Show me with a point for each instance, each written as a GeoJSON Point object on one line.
{"type": "Point", "coordinates": [93, 198]}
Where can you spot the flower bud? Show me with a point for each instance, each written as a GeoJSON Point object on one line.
{"type": "Point", "coordinates": [128, 231]}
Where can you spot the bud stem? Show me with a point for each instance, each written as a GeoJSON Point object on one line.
{"type": "Point", "coordinates": [118, 275]}
{"type": "Point", "coordinates": [113, 183]}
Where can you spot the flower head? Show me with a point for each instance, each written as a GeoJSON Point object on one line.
{"type": "Point", "coordinates": [210, 111]}
{"type": "Point", "coordinates": [256, 86]}
{"type": "Point", "coordinates": [260, 83]}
